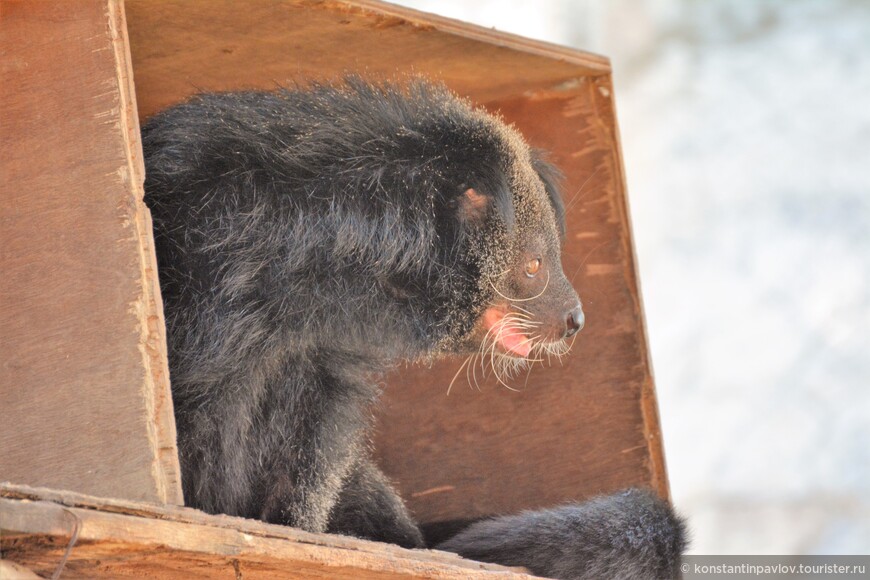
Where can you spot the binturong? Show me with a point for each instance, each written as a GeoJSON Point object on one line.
{"type": "Point", "coordinates": [310, 239]}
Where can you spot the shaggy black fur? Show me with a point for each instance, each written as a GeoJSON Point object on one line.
{"type": "Point", "coordinates": [310, 239]}
{"type": "Point", "coordinates": [629, 535]}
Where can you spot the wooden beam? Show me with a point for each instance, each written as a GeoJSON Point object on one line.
{"type": "Point", "coordinates": [84, 389]}
{"type": "Point", "coordinates": [114, 538]}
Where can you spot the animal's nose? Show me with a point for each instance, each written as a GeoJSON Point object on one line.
{"type": "Point", "coordinates": [576, 320]}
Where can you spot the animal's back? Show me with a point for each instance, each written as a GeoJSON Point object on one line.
{"type": "Point", "coordinates": [291, 254]}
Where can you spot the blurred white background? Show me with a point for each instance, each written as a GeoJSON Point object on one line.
{"type": "Point", "coordinates": [746, 134]}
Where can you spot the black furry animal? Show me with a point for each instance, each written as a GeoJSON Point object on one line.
{"type": "Point", "coordinates": [307, 241]}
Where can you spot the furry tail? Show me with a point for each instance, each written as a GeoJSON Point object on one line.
{"type": "Point", "coordinates": [631, 535]}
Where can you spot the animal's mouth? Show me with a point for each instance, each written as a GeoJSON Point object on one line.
{"type": "Point", "coordinates": [506, 334]}
{"type": "Point", "coordinates": [511, 341]}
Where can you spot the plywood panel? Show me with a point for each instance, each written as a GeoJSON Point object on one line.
{"type": "Point", "coordinates": [112, 539]}
{"type": "Point", "coordinates": [84, 399]}
{"type": "Point", "coordinates": [585, 427]}
{"type": "Point", "coordinates": [180, 47]}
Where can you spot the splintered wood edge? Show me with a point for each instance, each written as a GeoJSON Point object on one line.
{"type": "Point", "coordinates": [594, 64]}
{"type": "Point", "coordinates": [648, 400]}
{"type": "Point", "coordinates": [157, 396]}
{"type": "Point", "coordinates": [38, 511]}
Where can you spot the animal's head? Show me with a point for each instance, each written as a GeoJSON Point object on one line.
{"type": "Point", "coordinates": [470, 256]}
{"type": "Point", "coordinates": [509, 222]}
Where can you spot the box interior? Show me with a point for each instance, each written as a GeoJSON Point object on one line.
{"type": "Point", "coordinates": [569, 431]}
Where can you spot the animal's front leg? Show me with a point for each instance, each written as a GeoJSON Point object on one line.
{"type": "Point", "coordinates": [312, 431]}
{"type": "Point", "coordinates": [304, 498]}
{"type": "Point", "coordinates": [368, 507]}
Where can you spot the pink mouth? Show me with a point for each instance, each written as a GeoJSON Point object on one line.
{"type": "Point", "coordinates": [510, 338]}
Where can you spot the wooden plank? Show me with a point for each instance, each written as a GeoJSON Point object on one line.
{"type": "Point", "coordinates": [586, 426]}
{"type": "Point", "coordinates": [181, 47]}
{"type": "Point", "coordinates": [114, 539]}
{"type": "Point", "coordinates": [84, 382]}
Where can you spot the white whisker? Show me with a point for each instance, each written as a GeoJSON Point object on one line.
{"type": "Point", "coordinates": [538, 295]}
{"type": "Point", "coordinates": [464, 363]}
{"type": "Point", "coordinates": [523, 310]}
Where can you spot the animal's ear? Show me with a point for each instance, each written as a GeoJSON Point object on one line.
{"type": "Point", "coordinates": [552, 179]}
{"type": "Point", "coordinates": [473, 205]}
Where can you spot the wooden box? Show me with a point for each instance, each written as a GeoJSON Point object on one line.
{"type": "Point", "coordinates": [84, 390]}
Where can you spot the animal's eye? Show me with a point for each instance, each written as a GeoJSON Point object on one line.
{"type": "Point", "coordinates": [532, 267]}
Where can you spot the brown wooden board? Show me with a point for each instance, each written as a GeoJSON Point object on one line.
{"type": "Point", "coordinates": [84, 397]}
{"type": "Point", "coordinates": [112, 539]}
{"type": "Point", "coordinates": [571, 431]}
{"type": "Point", "coordinates": [181, 47]}
{"type": "Point", "coordinates": [581, 426]}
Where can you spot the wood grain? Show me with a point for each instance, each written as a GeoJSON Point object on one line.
{"type": "Point", "coordinates": [119, 539]}
{"type": "Point", "coordinates": [84, 383]}
{"type": "Point", "coordinates": [585, 427]}
{"type": "Point", "coordinates": [181, 47]}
